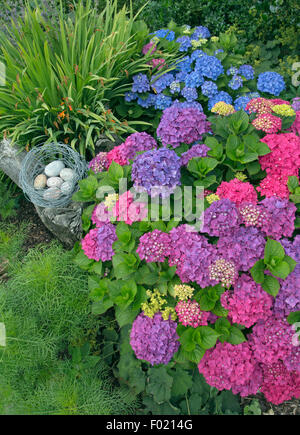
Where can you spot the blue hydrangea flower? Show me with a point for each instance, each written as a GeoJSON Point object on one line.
{"type": "Point", "coordinates": [147, 102]}
{"type": "Point", "coordinates": [271, 83]}
{"type": "Point", "coordinates": [164, 33]}
{"type": "Point", "coordinates": [246, 71]}
{"type": "Point", "coordinates": [140, 83]}
{"type": "Point", "coordinates": [184, 65]}
{"type": "Point", "coordinates": [188, 104]}
{"type": "Point", "coordinates": [162, 82]}
{"type": "Point", "coordinates": [209, 66]}
{"type": "Point", "coordinates": [220, 96]}
{"type": "Point", "coordinates": [184, 42]}
{"type": "Point", "coordinates": [219, 50]}
{"type": "Point", "coordinates": [196, 54]}
{"type": "Point", "coordinates": [175, 87]}
{"type": "Point", "coordinates": [189, 94]}
{"type": "Point", "coordinates": [253, 95]}
{"type": "Point", "coordinates": [201, 32]}
{"type": "Point", "coordinates": [241, 102]}
{"type": "Point", "coordinates": [236, 82]}
{"type": "Point", "coordinates": [232, 71]}
{"type": "Point", "coordinates": [130, 96]}
{"type": "Point", "coordinates": [180, 77]}
{"type": "Point", "coordinates": [162, 102]}
{"type": "Point", "coordinates": [209, 89]}
{"type": "Point", "coordinates": [193, 80]}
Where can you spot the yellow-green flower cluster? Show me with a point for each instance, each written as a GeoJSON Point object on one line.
{"type": "Point", "coordinates": [283, 110]}
{"type": "Point", "coordinates": [212, 198]}
{"type": "Point", "coordinates": [183, 291]}
{"type": "Point", "coordinates": [196, 44]}
{"type": "Point", "coordinates": [214, 38]}
{"type": "Point", "coordinates": [222, 108]}
{"type": "Point", "coordinates": [241, 176]}
{"type": "Point", "coordinates": [110, 200]}
{"type": "Point", "coordinates": [156, 304]}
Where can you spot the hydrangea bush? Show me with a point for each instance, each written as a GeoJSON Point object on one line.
{"type": "Point", "coordinates": [219, 292]}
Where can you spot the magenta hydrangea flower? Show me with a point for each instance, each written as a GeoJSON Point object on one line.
{"type": "Point", "coordinates": [180, 125]}
{"type": "Point", "coordinates": [154, 340]}
{"type": "Point", "coordinates": [128, 210]}
{"type": "Point", "coordinates": [99, 163]}
{"type": "Point", "coordinates": [279, 384]}
{"type": "Point", "coordinates": [247, 302]}
{"type": "Point", "coordinates": [154, 246]}
{"type": "Point", "coordinates": [156, 172]}
{"type": "Point", "coordinates": [229, 366]}
{"type": "Point", "coordinates": [244, 246]}
{"type": "Point", "coordinates": [237, 191]}
{"type": "Point", "coordinates": [220, 218]}
{"type": "Point", "coordinates": [189, 314]}
{"type": "Point", "coordinates": [282, 214]}
{"type": "Point", "coordinates": [97, 244]}
{"type": "Point", "coordinates": [271, 340]}
{"type": "Point", "coordinates": [182, 239]}
{"type": "Point", "coordinates": [197, 150]}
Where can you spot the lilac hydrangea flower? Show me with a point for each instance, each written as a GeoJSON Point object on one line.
{"type": "Point", "coordinates": [220, 217]}
{"type": "Point", "coordinates": [296, 103]}
{"type": "Point", "coordinates": [154, 340]}
{"type": "Point", "coordinates": [154, 246]}
{"type": "Point", "coordinates": [288, 298]}
{"type": "Point", "coordinates": [99, 163]}
{"type": "Point", "coordinates": [157, 172]}
{"type": "Point", "coordinates": [282, 214]}
{"type": "Point", "coordinates": [271, 83]}
{"type": "Point", "coordinates": [181, 125]}
{"type": "Point", "coordinates": [197, 150]}
{"type": "Point", "coordinates": [244, 245]}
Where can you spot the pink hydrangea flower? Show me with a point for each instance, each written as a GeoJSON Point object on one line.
{"type": "Point", "coordinates": [247, 302]}
{"type": "Point", "coordinates": [295, 127]}
{"type": "Point", "coordinates": [101, 215]}
{"type": "Point", "coordinates": [189, 314]}
{"type": "Point", "coordinates": [267, 123]}
{"type": "Point", "coordinates": [154, 246]}
{"type": "Point", "coordinates": [229, 366]}
{"type": "Point", "coordinates": [97, 244]}
{"type": "Point", "coordinates": [128, 210]}
{"type": "Point", "coordinates": [259, 106]}
{"type": "Point", "coordinates": [237, 191]}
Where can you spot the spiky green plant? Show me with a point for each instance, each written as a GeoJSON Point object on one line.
{"type": "Point", "coordinates": [60, 78]}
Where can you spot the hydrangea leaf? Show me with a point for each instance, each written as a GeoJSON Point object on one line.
{"type": "Point", "coordinates": [160, 384]}
{"type": "Point", "coordinates": [182, 381]}
{"type": "Point", "coordinates": [271, 285]}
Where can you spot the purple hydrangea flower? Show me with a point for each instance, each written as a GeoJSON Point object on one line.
{"type": "Point", "coordinates": [220, 217]}
{"type": "Point", "coordinates": [296, 103]}
{"type": "Point", "coordinates": [282, 214]}
{"type": "Point", "coordinates": [157, 172]}
{"type": "Point", "coordinates": [292, 248]}
{"type": "Point", "coordinates": [288, 298]}
{"type": "Point", "coordinates": [154, 340]}
{"type": "Point", "coordinates": [99, 163]}
{"type": "Point", "coordinates": [197, 150]}
{"type": "Point", "coordinates": [243, 245]}
{"type": "Point", "coordinates": [271, 83]}
{"type": "Point", "coordinates": [182, 125]}
{"type": "Point", "coordinates": [154, 246]}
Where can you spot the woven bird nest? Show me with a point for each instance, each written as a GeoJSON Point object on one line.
{"type": "Point", "coordinates": [34, 164]}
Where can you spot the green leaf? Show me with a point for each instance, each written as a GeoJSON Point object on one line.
{"type": "Point", "coordinates": [258, 271]}
{"type": "Point", "coordinates": [124, 265]}
{"type": "Point", "coordinates": [144, 275]}
{"type": "Point", "coordinates": [281, 270]}
{"type": "Point", "coordinates": [293, 183]}
{"type": "Point", "coordinates": [271, 285]}
{"type": "Point", "coordinates": [102, 306]}
{"type": "Point", "coordinates": [115, 171]}
{"type": "Point", "coordinates": [236, 336]}
{"type": "Point", "coordinates": [273, 250]}
{"type": "Point", "coordinates": [291, 262]}
{"type": "Point", "coordinates": [125, 317]}
{"type": "Point", "coordinates": [83, 261]}
{"type": "Point", "coordinates": [182, 381]}
{"type": "Point", "coordinates": [293, 317]}
{"type": "Point", "coordinates": [160, 384]}
{"type": "Point", "coordinates": [187, 339]}
{"type": "Point", "coordinates": [207, 337]}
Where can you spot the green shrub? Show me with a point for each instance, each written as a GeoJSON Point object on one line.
{"type": "Point", "coordinates": [60, 76]}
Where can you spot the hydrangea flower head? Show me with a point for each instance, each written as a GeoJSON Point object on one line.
{"type": "Point", "coordinates": [236, 82]}
{"type": "Point", "coordinates": [190, 94]}
{"type": "Point", "coordinates": [267, 123]}
{"type": "Point", "coordinates": [99, 163]}
{"type": "Point", "coordinates": [247, 302]}
{"type": "Point", "coordinates": [296, 103]}
{"type": "Point", "coordinates": [181, 125]}
{"type": "Point", "coordinates": [240, 103]}
{"type": "Point", "coordinates": [209, 89]}
{"type": "Point", "coordinates": [140, 83]}
{"type": "Point", "coordinates": [190, 314]}
{"type": "Point", "coordinates": [154, 246]}
{"type": "Point", "coordinates": [246, 71]}
{"type": "Point", "coordinates": [162, 82]}
{"type": "Point", "coordinates": [154, 340]}
{"type": "Point", "coordinates": [156, 172]}
{"type": "Point", "coordinates": [228, 366]}
{"type": "Point", "coordinates": [209, 66]}
{"type": "Point", "coordinates": [193, 80]}
{"type": "Point", "coordinates": [183, 291]}
{"type": "Point", "coordinates": [150, 46]}
{"type": "Point", "coordinates": [222, 108]}
{"type": "Point", "coordinates": [253, 215]}
{"type": "Point", "coordinates": [259, 105]}
{"type": "Point", "coordinates": [220, 217]}
{"type": "Point", "coordinates": [185, 43]}
{"type": "Point", "coordinates": [271, 83]}
{"type": "Point", "coordinates": [128, 210]}
{"type": "Point", "coordinates": [130, 96]}
{"type": "Point", "coordinates": [282, 217]}
{"type": "Point", "coordinates": [283, 110]}
{"type": "Point", "coordinates": [197, 150]}
{"type": "Point", "coordinates": [97, 244]}
{"type": "Point", "coordinates": [288, 298]}
{"type": "Point", "coordinates": [200, 32]}
{"type": "Point", "coordinates": [223, 271]}
{"type": "Point", "coordinates": [237, 191]}
{"type": "Point", "coordinates": [220, 96]}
